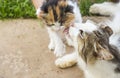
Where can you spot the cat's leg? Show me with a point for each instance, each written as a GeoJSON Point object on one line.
{"type": "Point", "coordinates": [69, 41]}
{"type": "Point", "coordinates": [106, 8]}
{"type": "Point", "coordinates": [59, 45]}
{"type": "Point", "coordinates": [56, 42]}
{"type": "Point", "coordinates": [67, 60]}
{"type": "Point", "coordinates": [87, 74]}
{"type": "Point", "coordinates": [51, 45]}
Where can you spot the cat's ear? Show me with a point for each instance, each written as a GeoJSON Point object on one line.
{"type": "Point", "coordinates": [81, 34]}
{"type": "Point", "coordinates": [102, 52]}
{"type": "Point", "coordinates": [107, 29]}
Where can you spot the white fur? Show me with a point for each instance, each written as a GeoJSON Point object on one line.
{"type": "Point", "coordinates": [51, 45]}
{"type": "Point", "coordinates": [76, 11]}
{"type": "Point", "coordinates": [69, 40]}
{"type": "Point", "coordinates": [106, 8]}
{"type": "Point", "coordinates": [102, 69]}
{"type": "Point", "coordinates": [56, 42]}
{"type": "Point", "coordinates": [89, 26]}
{"type": "Point", "coordinates": [115, 26]}
{"type": "Point", "coordinates": [38, 11]}
{"type": "Point", "coordinates": [115, 23]}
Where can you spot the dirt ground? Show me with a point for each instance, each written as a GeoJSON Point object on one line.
{"type": "Point", "coordinates": [24, 52]}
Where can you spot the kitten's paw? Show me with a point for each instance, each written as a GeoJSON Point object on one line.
{"type": "Point", "coordinates": [51, 46]}
{"type": "Point", "coordinates": [64, 63]}
{"type": "Point", "coordinates": [59, 50]}
{"type": "Point", "coordinates": [103, 9]}
{"type": "Point", "coordinates": [95, 9]}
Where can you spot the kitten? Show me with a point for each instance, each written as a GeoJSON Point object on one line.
{"type": "Point", "coordinates": [57, 15]}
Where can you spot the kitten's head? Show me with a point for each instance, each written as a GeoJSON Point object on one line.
{"type": "Point", "coordinates": [95, 45]}
{"type": "Point", "coordinates": [57, 12]}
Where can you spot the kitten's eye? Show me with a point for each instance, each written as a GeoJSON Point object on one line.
{"type": "Point", "coordinates": [51, 20]}
{"type": "Point", "coordinates": [51, 24]}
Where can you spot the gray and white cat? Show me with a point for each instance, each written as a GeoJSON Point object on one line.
{"type": "Point", "coordinates": [97, 49]}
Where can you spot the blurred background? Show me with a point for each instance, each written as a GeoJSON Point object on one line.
{"type": "Point", "coordinates": [25, 8]}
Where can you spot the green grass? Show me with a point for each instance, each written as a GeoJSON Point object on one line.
{"type": "Point", "coordinates": [25, 9]}
{"type": "Point", "coordinates": [16, 9]}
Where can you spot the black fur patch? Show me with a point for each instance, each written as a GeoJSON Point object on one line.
{"type": "Point", "coordinates": [54, 3]}
{"type": "Point", "coordinates": [47, 4]}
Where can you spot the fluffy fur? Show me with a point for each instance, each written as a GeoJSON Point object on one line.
{"type": "Point", "coordinates": [105, 8]}
{"type": "Point", "coordinates": [58, 14]}
{"type": "Point", "coordinates": [114, 24]}
{"type": "Point", "coordinates": [97, 55]}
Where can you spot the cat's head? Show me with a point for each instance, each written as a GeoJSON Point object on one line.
{"type": "Point", "coordinates": [57, 12]}
{"type": "Point", "coordinates": [93, 46]}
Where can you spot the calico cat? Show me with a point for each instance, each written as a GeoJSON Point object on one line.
{"type": "Point", "coordinates": [58, 15]}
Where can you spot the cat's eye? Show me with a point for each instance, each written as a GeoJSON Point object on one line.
{"type": "Point", "coordinates": [51, 24]}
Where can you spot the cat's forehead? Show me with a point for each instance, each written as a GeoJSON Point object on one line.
{"type": "Point", "coordinates": [86, 27]}
{"type": "Point", "coordinates": [55, 3]}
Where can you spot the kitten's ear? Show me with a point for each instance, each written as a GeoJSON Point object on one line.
{"type": "Point", "coordinates": [107, 29]}
{"type": "Point", "coordinates": [81, 34]}
{"type": "Point", "coordinates": [103, 53]}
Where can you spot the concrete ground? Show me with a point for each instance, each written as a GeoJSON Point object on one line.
{"type": "Point", "coordinates": [24, 52]}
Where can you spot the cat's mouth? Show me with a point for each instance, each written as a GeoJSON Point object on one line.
{"type": "Point", "coordinates": [66, 30]}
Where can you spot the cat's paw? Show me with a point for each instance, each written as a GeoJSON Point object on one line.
{"type": "Point", "coordinates": [95, 9]}
{"type": "Point", "coordinates": [51, 46]}
{"type": "Point", "coordinates": [105, 8]}
{"type": "Point", "coordinates": [64, 62]}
